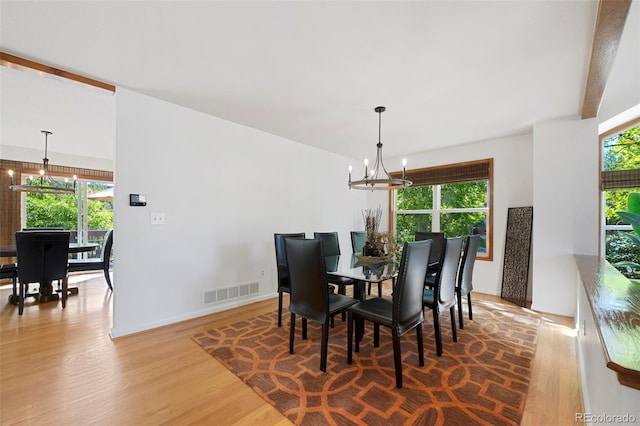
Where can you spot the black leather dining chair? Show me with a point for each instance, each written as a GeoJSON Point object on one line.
{"type": "Point", "coordinates": [10, 271]}
{"type": "Point", "coordinates": [437, 247]}
{"type": "Point", "coordinates": [102, 263]}
{"type": "Point", "coordinates": [331, 247]}
{"type": "Point", "coordinates": [42, 258]}
{"type": "Point", "coordinates": [402, 314]}
{"type": "Point", "coordinates": [310, 297]}
{"type": "Point", "coordinates": [358, 240]}
{"type": "Point", "coordinates": [465, 275]}
{"type": "Point", "coordinates": [282, 268]}
{"type": "Point", "coordinates": [442, 296]}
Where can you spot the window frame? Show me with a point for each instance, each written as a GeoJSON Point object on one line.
{"type": "Point", "coordinates": [603, 226]}
{"type": "Point", "coordinates": [436, 211]}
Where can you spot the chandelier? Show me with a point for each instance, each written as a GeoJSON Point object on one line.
{"type": "Point", "coordinates": [378, 178]}
{"type": "Point", "coordinates": [45, 183]}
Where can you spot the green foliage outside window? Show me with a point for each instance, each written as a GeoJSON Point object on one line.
{"type": "Point", "coordinates": [61, 211]}
{"type": "Point", "coordinates": [464, 195]}
{"type": "Point", "coordinates": [461, 224]}
{"type": "Point", "coordinates": [415, 198]}
{"type": "Point", "coordinates": [408, 224]}
{"type": "Point", "coordinates": [415, 207]}
{"type": "Point", "coordinates": [621, 152]}
{"type": "Point", "coordinates": [630, 266]}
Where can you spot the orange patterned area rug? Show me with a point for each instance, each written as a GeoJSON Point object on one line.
{"type": "Point", "coordinates": [482, 379]}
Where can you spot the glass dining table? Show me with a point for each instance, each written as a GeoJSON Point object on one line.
{"type": "Point", "coordinates": [361, 271]}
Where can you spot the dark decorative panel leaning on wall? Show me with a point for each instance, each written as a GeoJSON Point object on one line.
{"type": "Point", "coordinates": [517, 251]}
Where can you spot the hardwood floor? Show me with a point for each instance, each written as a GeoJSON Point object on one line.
{"type": "Point", "coordinates": [60, 367]}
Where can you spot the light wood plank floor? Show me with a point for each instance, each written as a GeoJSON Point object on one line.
{"type": "Point", "coordinates": [61, 368]}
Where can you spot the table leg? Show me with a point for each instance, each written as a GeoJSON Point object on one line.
{"type": "Point", "coordinates": [47, 294]}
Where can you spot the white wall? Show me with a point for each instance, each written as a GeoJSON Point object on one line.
{"type": "Point", "coordinates": [565, 212]}
{"type": "Point", "coordinates": [512, 176]}
{"type": "Point", "coordinates": [225, 189]}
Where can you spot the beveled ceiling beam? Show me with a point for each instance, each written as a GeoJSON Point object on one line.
{"type": "Point", "coordinates": [12, 61]}
{"type": "Point", "coordinates": [612, 15]}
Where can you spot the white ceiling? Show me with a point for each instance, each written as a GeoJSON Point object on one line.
{"type": "Point", "coordinates": [449, 72]}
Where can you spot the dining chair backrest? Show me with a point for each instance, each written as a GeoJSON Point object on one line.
{"type": "Point", "coordinates": [465, 276]}
{"type": "Point", "coordinates": [42, 256]}
{"type": "Point", "coordinates": [446, 289]}
{"type": "Point", "coordinates": [437, 246]}
{"type": "Point", "coordinates": [330, 242]}
{"type": "Point", "coordinates": [107, 246]}
{"type": "Point", "coordinates": [281, 256]}
{"type": "Point", "coordinates": [407, 294]}
{"type": "Point", "coordinates": [358, 240]}
{"type": "Point", "coordinates": [308, 279]}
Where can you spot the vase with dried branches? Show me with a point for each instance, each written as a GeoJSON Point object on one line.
{"type": "Point", "coordinates": [380, 244]}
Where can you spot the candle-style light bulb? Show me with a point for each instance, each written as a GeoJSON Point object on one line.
{"type": "Point", "coordinates": [404, 170]}
{"type": "Point", "coordinates": [350, 169]}
{"type": "Point", "coordinates": [11, 177]}
{"type": "Point", "coordinates": [366, 168]}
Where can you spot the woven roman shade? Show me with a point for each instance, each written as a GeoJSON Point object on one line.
{"type": "Point", "coordinates": [451, 173]}
{"type": "Point", "coordinates": [619, 179]}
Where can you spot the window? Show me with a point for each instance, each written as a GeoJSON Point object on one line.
{"type": "Point", "coordinates": [33, 210]}
{"type": "Point", "coordinates": [620, 176]}
{"type": "Point", "coordinates": [87, 219]}
{"type": "Point", "coordinates": [454, 199]}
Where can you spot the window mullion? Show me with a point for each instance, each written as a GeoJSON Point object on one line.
{"type": "Point", "coordinates": [435, 220]}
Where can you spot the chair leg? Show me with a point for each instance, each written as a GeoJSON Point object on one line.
{"type": "Point", "coordinates": [453, 323]}
{"type": "Point", "coordinates": [469, 302]}
{"type": "Point", "coordinates": [325, 344]}
{"type": "Point", "coordinates": [376, 335]}
{"type": "Point", "coordinates": [458, 293]}
{"type": "Point", "coordinates": [65, 291]}
{"type": "Point", "coordinates": [108, 278]}
{"type": "Point", "coordinates": [369, 289]}
{"type": "Point", "coordinates": [420, 345]}
{"type": "Point", "coordinates": [304, 328]}
{"type": "Point", "coordinates": [15, 288]}
{"type": "Point", "coordinates": [397, 359]}
{"type": "Point", "coordinates": [436, 330]}
{"type": "Point", "coordinates": [357, 321]}
{"type": "Point", "coordinates": [21, 298]}
{"type": "Point", "coordinates": [279, 309]}
{"type": "Point", "coordinates": [380, 289]}
{"type": "Point", "coordinates": [342, 289]}
{"type": "Point", "coordinates": [292, 333]}
{"type": "Point", "coordinates": [350, 338]}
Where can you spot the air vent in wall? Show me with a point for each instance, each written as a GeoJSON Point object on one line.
{"type": "Point", "coordinates": [218, 295]}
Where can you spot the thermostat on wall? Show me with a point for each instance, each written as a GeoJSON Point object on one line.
{"type": "Point", "coordinates": [137, 200]}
